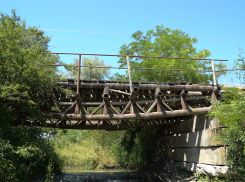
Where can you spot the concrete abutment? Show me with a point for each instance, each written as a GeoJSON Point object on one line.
{"type": "Point", "coordinates": [194, 147]}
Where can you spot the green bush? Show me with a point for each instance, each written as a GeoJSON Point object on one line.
{"type": "Point", "coordinates": [231, 112]}
{"type": "Point", "coordinates": [24, 87]}
{"type": "Point", "coordinates": [25, 152]}
{"type": "Point", "coordinates": [138, 146]}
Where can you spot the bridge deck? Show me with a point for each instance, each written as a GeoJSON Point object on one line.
{"type": "Point", "coordinates": [110, 105]}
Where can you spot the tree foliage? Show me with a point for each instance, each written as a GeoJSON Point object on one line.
{"type": "Point", "coordinates": [231, 112]}
{"type": "Point", "coordinates": [240, 64]}
{"type": "Point", "coordinates": [24, 85]}
{"type": "Point", "coordinates": [89, 72]}
{"type": "Point", "coordinates": [168, 43]}
{"type": "Point", "coordinates": [24, 82]}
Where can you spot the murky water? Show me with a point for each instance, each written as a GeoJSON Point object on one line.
{"type": "Point", "coordinates": [81, 175]}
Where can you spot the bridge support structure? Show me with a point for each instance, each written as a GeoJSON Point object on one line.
{"type": "Point", "coordinates": [110, 105]}
{"type": "Point", "coordinates": [194, 148]}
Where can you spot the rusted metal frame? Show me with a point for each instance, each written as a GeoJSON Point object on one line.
{"type": "Point", "coordinates": [83, 123]}
{"type": "Point", "coordinates": [214, 75]}
{"type": "Point", "coordinates": [134, 108]}
{"type": "Point", "coordinates": [158, 94]}
{"type": "Point", "coordinates": [139, 102]}
{"type": "Point", "coordinates": [106, 93]}
{"type": "Point", "coordinates": [214, 96]}
{"type": "Point", "coordinates": [92, 125]}
{"type": "Point", "coordinates": [216, 90]}
{"type": "Point", "coordinates": [135, 68]}
{"type": "Point", "coordinates": [98, 123]}
{"type": "Point", "coordinates": [124, 123]}
{"type": "Point", "coordinates": [129, 75]}
{"type": "Point", "coordinates": [100, 106]}
{"type": "Point", "coordinates": [184, 104]}
{"type": "Point", "coordinates": [140, 107]}
{"type": "Point", "coordinates": [78, 105]}
{"type": "Point", "coordinates": [114, 109]}
{"type": "Point", "coordinates": [130, 123]}
{"type": "Point", "coordinates": [137, 123]}
{"type": "Point", "coordinates": [78, 99]}
{"type": "Point", "coordinates": [57, 107]}
{"type": "Point", "coordinates": [145, 122]}
{"type": "Point", "coordinates": [83, 109]}
{"type": "Point", "coordinates": [162, 106]}
{"type": "Point", "coordinates": [77, 123]}
{"type": "Point", "coordinates": [51, 121]}
{"type": "Point", "coordinates": [106, 97]}
{"type": "Point", "coordinates": [106, 123]}
{"type": "Point", "coordinates": [166, 105]}
{"type": "Point", "coordinates": [173, 113]}
{"type": "Point", "coordinates": [78, 74]}
{"type": "Point", "coordinates": [132, 56]}
{"type": "Point", "coordinates": [126, 93]}
{"type": "Point", "coordinates": [134, 93]}
{"type": "Point", "coordinates": [141, 86]}
{"type": "Point", "coordinates": [110, 123]}
{"type": "Point", "coordinates": [152, 106]}
{"type": "Point", "coordinates": [58, 122]}
{"type": "Point", "coordinates": [126, 107]}
{"type": "Point", "coordinates": [74, 103]}
{"type": "Point", "coordinates": [230, 70]}
{"type": "Point", "coordinates": [154, 122]}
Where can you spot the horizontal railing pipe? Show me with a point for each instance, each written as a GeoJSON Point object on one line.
{"type": "Point", "coordinates": [132, 56]}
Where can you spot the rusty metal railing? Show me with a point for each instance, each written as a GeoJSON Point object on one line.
{"type": "Point", "coordinates": [129, 67]}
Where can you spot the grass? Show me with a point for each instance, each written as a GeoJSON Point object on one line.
{"type": "Point", "coordinates": [86, 149]}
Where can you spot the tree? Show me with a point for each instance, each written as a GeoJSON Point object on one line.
{"type": "Point", "coordinates": [24, 85]}
{"type": "Point", "coordinates": [230, 110]}
{"type": "Point", "coordinates": [168, 43]}
{"type": "Point", "coordinates": [24, 81]}
{"type": "Point", "coordinates": [240, 64]}
{"type": "Point", "coordinates": [89, 72]}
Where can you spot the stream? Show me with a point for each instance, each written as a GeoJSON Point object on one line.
{"type": "Point", "coordinates": [81, 175]}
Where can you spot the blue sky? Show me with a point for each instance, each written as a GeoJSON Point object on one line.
{"type": "Point", "coordinates": [97, 26]}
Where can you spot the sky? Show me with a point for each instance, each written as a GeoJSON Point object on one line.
{"type": "Point", "coordinates": [102, 27]}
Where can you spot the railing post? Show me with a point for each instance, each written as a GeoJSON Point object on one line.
{"type": "Point", "coordinates": [78, 75]}
{"type": "Point", "coordinates": [216, 90]}
{"type": "Point", "coordinates": [214, 76]}
{"type": "Point", "coordinates": [129, 75]}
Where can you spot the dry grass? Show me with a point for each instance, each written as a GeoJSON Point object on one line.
{"type": "Point", "coordinates": [84, 151]}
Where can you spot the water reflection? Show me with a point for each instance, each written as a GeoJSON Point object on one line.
{"type": "Point", "coordinates": [81, 175]}
{"type": "Point", "coordinates": [109, 175]}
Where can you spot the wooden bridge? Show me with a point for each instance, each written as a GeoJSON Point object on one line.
{"type": "Point", "coordinates": [112, 105]}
